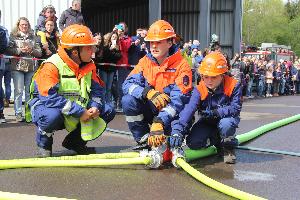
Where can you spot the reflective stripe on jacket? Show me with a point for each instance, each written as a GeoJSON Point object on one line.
{"type": "Point", "coordinates": [173, 77]}
{"type": "Point", "coordinates": [226, 100]}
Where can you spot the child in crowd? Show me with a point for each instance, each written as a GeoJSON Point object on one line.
{"type": "Point", "coordinates": [269, 80]}
{"type": "Point", "coordinates": [47, 12]}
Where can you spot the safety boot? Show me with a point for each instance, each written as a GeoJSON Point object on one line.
{"type": "Point", "coordinates": [229, 155]}
{"type": "Point", "coordinates": [80, 149]}
{"type": "Point", "coordinates": [43, 153]}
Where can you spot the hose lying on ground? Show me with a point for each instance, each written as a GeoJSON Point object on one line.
{"type": "Point", "coordinates": [43, 162]}
{"type": "Point", "coordinates": [215, 184]}
{"type": "Point", "coordinates": [195, 154]}
{"type": "Point", "coordinates": [17, 196]}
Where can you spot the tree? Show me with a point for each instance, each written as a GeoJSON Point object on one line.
{"type": "Point", "coordinates": [269, 21]}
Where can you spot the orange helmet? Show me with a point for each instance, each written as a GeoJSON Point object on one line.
{"type": "Point", "coordinates": [160, 30]}
{"type": "Point", "coordinates": [213, 64]}
{"type": "Point", "coordinates": [77, 35]}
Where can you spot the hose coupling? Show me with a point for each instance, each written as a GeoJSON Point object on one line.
{"type": "Point", "coordinates": [177, 153]}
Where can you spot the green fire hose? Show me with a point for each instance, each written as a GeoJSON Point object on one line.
{"type": "Point", "coordinates": [195, 154]}
{"type": "Point", "coordinates": [133, 158]}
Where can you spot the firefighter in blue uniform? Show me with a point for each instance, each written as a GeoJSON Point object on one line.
{"type": "Point", "coordinates": [158, 87]}
{"type": "Point", "coordinates": [67, 94]}
{"type": "Point", "coordinates": [218, 100]}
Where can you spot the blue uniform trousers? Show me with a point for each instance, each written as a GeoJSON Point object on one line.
{"type": "Point", "coordinates": [204, 133]}
{"type": "Point", "coordinates": [139, 114]}
{"type": "Point", "coordinates": [49, 120]}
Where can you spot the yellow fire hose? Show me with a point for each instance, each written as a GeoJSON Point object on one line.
{"type": "Point", "coordinates": [108, 159]}
{"type": "Point", "coordinates": [40, 162]}
{"type": "Point", "coordinates": [17, 196]}
{"type": "Point", "coordinates": [215, 184]}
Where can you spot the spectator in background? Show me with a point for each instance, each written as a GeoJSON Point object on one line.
{"type": "Point", "coordinates": [123, 72]}
{"type": "Point", "coordinates": [249, 75]}
{"type": "Point", "coordinates": [22, 43]}
{"type": "Point", "coordinates": [276, 81]}
{"type": "Point", "coordinates": [138, 47]}
{"type": "Point", "coordinates": [4, 39]}
{"type": "Point", "coordinates": [5, 72]}
{"type": "Point", "coordinates": [98, 56]}
{"type": "Point", "coordinates": [261, 74]}
{"type": "Point", "coordinates": [111, 54]}
{"type": "Point", "coordinates": [71, 16]}
{"type": "Point", "coordinates": [47, 12]}
{"type": "Point", "coordinates": [269, 79]}
{"type": "Point", "coordinates": [52, 40]}
{"type": "Point", "coordinates": [283, 77]}
{"type": "Point", "coordinates": [297, 76]}
{"type": "Point", "coordinates": [196, 60]}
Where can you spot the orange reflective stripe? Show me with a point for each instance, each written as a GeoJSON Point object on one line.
{"type": "Point", "coordinates": [202, 90]}
{"type": "Point", "coordinates": [46, 78]}
{"type": "Point", "coordinates": [171, 71]}
{"type": "Point", "coordinates": [229, 85]}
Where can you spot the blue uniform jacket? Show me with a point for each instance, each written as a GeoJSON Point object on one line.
{"type": "Point", "coordinates": [226, 106]}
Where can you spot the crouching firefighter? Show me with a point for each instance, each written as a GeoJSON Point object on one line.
{"type": "Point", "coordinates": [157, 88]}
{"type": "Point", "coordinates": [67, 93]}
{"type": "Point", "coordinates": [218, 100]}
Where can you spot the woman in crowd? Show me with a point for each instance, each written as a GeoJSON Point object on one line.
{"type": "Point", "coordinates": [23, 44]}
{"type": "Point", "coordinates": [111, 54]}
{"type": "Point", "coordinates": [277, 78]}
{"type": "Point", "coordinates": [52, 40]}
{"type": "Point", "coordinates": [269, 79]}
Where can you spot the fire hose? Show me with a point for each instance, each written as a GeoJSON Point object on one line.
{"type": "Point", "coordinates": [152, 159]}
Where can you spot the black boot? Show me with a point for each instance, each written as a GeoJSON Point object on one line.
{"type": "Point", "coordinates": [80, 149]}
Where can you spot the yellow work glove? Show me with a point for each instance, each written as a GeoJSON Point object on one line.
{"type": "Point", "coordinates": [156, 136]}
{"type": "Point", "coordinates": [160, 100]}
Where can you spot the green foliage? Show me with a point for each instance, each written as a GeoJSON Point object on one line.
{"type": "Point", "coordinates": [271, 21]}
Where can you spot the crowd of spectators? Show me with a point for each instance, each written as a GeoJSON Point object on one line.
{"type": "Point", "coordinates": [117, 53]}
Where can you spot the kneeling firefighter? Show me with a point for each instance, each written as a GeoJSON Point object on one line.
{"type": "Point", "coordinates": [67, 93]}
{"type": "Point", "coordinates": [218, 99]}
{"type": "Point", "coordinates": [157, 88]}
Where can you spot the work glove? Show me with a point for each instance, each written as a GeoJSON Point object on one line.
{"type": "Point", "coordinates": [210, 114]}
{"type": "Point", "coordinates": [175, 140]}
{"type": "Point", "coordinates": [159, 100]}
{"type": "Point", "coordinates": [156, 136]}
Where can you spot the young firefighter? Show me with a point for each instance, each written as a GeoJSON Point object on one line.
{"type": "Point", "coordinates": [218, 99]}
{"type": "Point", "coordinates": [157, 88]}
{"type": "Point", "coordinates": [67, 93]}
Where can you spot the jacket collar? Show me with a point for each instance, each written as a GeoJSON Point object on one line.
{"type": "Point", "coordinates": [174, 57]}
{"type": "Point", "coordinates": [78, 71]}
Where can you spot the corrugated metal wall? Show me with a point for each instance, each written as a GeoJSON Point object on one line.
{"type": "Point", "coordinates": [12, 10]}
{"type": "Point", "coordinates": [222, 22]}
{"type": "Point", "coordinates": [103, 19]}
{"type": "Point", "coordinates": [183, 15]}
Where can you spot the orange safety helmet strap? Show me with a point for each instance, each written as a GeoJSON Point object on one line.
{"type": "Point", "coordinates": [77, 35]}
{"type": "Point", "coordinates": [160, 30]}
{"type": "Point", "coordinates": [213, 64]}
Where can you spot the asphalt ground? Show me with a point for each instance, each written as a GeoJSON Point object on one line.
{"type": "Point", "coordinates": [263, 174]}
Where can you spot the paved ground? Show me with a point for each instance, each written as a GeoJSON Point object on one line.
{"type": "Point", "coordinates": [267, 175]}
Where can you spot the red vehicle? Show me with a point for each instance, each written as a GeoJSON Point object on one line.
{"type": "Point", "coordinates": [270, 51]}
